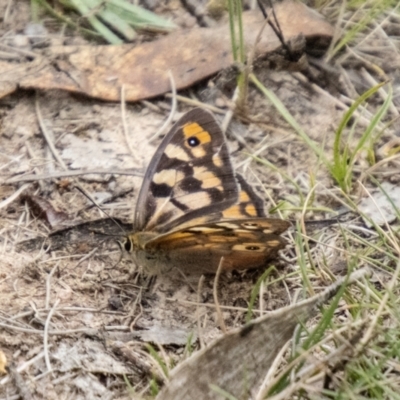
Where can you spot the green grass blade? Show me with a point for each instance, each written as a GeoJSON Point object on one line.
{"type": "Point", "coordinates": [138, 16]}
{"type": "Point", "coordinates": [87, 12]}
{"type": "Point", "coordinates": [289, 119]}
{"type": "Point", "coordinates": [341, 167]}
{"type": "Point", "coordinates": [118, 24]}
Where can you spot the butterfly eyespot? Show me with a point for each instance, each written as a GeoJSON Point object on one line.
{"type": "Point", "coordinates": [252, 248]}
{"type": "Point", "coordinates": [193, 141]}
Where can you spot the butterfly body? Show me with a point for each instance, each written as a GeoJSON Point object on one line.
{"type": "Point", "coordinates": [193, 209]}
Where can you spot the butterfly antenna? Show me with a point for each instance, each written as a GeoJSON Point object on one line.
{"type": "Point", "coordinates": [90, 198]}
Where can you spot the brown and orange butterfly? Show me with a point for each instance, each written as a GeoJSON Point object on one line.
{"type": "Point", "coordinates": [193, 209]}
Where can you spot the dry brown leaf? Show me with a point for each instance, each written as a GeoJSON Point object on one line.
{"type": "Point", "coordinates": [191, 55]}
{"type": "Point", "coordinates": [238, 361]}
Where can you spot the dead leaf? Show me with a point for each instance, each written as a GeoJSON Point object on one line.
{"type": "Point", "coordinates": [191, 56]}
{"type": "Point", "coordinates": [240, 359]}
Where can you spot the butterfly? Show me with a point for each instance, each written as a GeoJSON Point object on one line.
{"type": "Point", "coordinates": [194, 210]}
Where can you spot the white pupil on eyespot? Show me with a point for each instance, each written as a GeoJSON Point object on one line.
{"type": "Point", "coordinates": [193, 141]}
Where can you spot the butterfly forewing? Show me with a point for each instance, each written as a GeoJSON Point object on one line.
{"type": "Point", "coordinates": [190, 176]}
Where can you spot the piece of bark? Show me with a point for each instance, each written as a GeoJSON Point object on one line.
{"type": "Point", "coordinates": [239, 360]}
{"type": "Point", "coordinates": [190, 55]}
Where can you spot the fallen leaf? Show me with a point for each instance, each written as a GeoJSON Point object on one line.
{"type": "Point", "coordinates": [143, 70]}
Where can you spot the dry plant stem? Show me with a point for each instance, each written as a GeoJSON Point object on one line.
{"type": "Point", "coordinates": [197, 103]}
{"type": "Point", "coordinates": [309, 371]}
{"type": "Point", "coordinates": [24, 366]}
{"type": "Point", "coordinates": [229, 114]}
{"type": "Point", "coordinates": [26, 53]}
{"type": "Point", "coordinates": [88, 331]}
{"type": "Point", "coordinates": [249, 68]}
{"type": "Point", "coordinates": [261, 395]}
{"type": "Point", "coordinates": [133, 324]}
{"type": "Point", "coordinates": [319, 366]}
{"type": "Point", "coordinates": [360, 118]}
{"type": "Point", "coordinates": [67, 174]}
{"type": "Point", "coordinates": [168, 121]}
{"type": "Point", "coordinates": [337, 33]}
{"type": "Point", "coordinates": [35, 170]}
{"type": "Point", "coordinates": [46, 336]}
{"type": "Point", "coordinates": [75, 309]}
{"type": "Point", "coordinates": [354, 277]}
{"type": "Point", "coordinates": [303, 226]}
{"type": "Point", "coordinates": [368, 63]}
{"type": "Point", "coordinates": [381, 91]}
{"type": "Point", "coordinates": [165, 357]}
{"type": "Point", "coordinates": [215, 294]}
{"type": "Point", "coordinates": [55, 153]}
{"type": "Point", "coordinates": [199, 330]}
{"type": "Point", "coordinates": [261, 298]}
{"type": "Point", "coordinates": [125, 124]}
{"type": "Point", "coordinates": [7, 11]}
{"type": "Point", "coordinates": [14, 196]}
{"type": "Point", "coordinates": [370, 170]}
{"type": "Point", "coordinates": [85, 257]}
{"type": "Point", "coordinates": [195, 304]}
{"type": "Point", "coordinates": [48, 285]}
{"type": "Point", "coordinates": [378, 27]}
{"type": "Point", "coordinates": [46, 136]}
{"type": "Point", "coordinates": [132, 310]}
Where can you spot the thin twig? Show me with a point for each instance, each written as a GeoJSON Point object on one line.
{"type": "Point", "coordinates": [14, 196]}
{"type": "Point", "coordinates": [173, 109]}
{"type": "Point", "coordinates": [215, 294]}
{"type": "Point", "coordinates": [25, 365]}
{"type": "Point", "coordinates": [48, 285]}
{"type": "Point", "coordinates": [67, 174]}
{"type": "Point", "coordinates": [124, 122]}
{"type": "Point", "coordinates": [199, 330]}
{"type": "Point", "coordinates": [46, 336]}
{"type": "Point", "coordinates": [85, 257]}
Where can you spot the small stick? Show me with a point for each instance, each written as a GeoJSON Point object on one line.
{"type": "Point", "coordinates": [46, 336]}
{"type": "Point", "coordinates": [48, 284]}
{"type": "Point", "coordinates": [14, 196]}
{"type": "Point", "coordinates": [215, 294]}
{"type": "Point", "coordinates": [173, 108]}
{"type": "Point", "coordinates": [199, 330]}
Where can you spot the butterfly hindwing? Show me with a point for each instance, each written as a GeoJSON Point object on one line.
{"type": "Point", "coordinates": [189, 176]}
{"type": "Point", "coordinates": [244, 244]}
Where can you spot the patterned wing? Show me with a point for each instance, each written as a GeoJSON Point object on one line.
{"type": "Point", "coordinates": [190, 176]}
{"type": "Point", "coordinates": [244, 244]}
{"type": "Point", "coordinates": [247, 205]}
